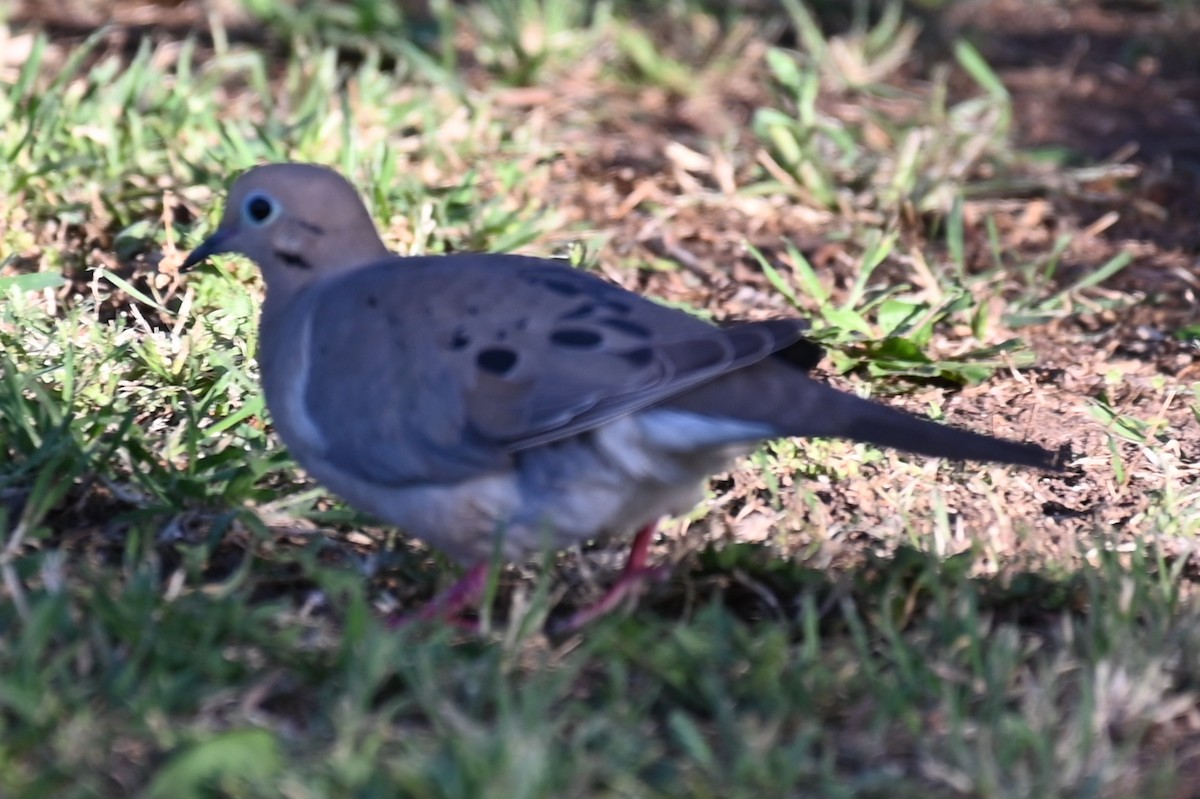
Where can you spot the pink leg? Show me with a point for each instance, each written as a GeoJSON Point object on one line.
{"type": "Point", "coordinates": [448, 604]}
{"type": "Point", "coordinates": [633, 579]}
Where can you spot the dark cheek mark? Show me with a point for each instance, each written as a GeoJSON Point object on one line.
{"type": "Point", "coordinates": [577, 338]}
{"type": "Point", "coordinates": [497, 360]}
{"type": "Point", "coordinates": [292, 259]}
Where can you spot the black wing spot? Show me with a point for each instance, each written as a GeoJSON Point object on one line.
{"type": "Point", "coordinates": [372, 301]}
{"type": "Point", "coordinates": [581, 312]}
{"type": "Point", "coordinates": [497, 360]}
{"type": "Point", "coordinates": [565, 288]}
{"type": "Point", "coordinates": [638, 358]}
{"type": "Point", "coordinates": [472, 310]}
{"type": "Point", "coordinates": [625, 326]}
{"type": "Point", "coordinates": [617, 306]}
{"type": "Point", "coordinates": [576, 337]}
{"type": "Point", "coordinates": [459, 340]}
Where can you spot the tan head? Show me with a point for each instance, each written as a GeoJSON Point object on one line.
{"type": "Point", "coordinates": [299, 222]}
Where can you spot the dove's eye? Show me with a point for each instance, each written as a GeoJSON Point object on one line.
{"type": "Point", "coordinates": [259, 209]}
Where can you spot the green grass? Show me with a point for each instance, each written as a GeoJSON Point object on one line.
{"type": "Point", "coordinates": [183, 614]}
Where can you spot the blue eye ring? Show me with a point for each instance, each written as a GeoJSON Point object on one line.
{"type": "Point", "coordinates": [259, 209]}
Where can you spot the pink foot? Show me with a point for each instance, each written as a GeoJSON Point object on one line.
{"type": "Point", "coordinates": [449, 604]}
{"type": "Point", "coordinates": [632, 581]}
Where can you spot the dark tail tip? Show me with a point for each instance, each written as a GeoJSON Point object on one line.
{"type": "Point", "coordinates": [891, 428]}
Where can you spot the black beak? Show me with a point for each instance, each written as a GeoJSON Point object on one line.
{"type": "Point", "coordinates": [213, 245]}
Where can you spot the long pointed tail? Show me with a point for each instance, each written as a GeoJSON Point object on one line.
{"type": "Point", "coordinates": [862, 420]}
{"type": "Point", "coordinates": [790, 403]}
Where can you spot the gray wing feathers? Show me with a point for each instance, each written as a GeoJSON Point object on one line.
{"type": "Point", "coordinates": [483, 356]}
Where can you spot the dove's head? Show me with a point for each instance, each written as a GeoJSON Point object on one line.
{"type": "Point", "coordinates": [299, 222]}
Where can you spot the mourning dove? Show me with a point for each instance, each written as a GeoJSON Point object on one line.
{"type": "Point", "coordinates": [490, 403]}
